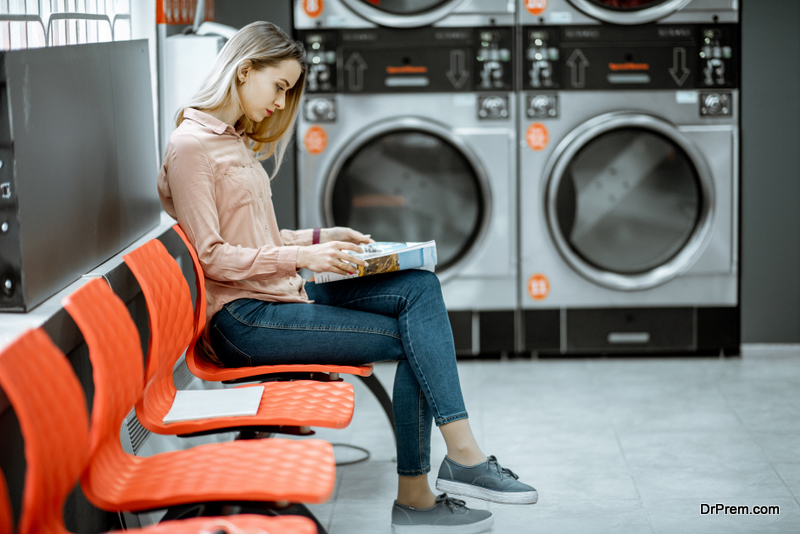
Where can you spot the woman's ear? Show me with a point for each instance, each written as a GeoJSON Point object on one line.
{"type": "Point", "coordinates": [243, 71]}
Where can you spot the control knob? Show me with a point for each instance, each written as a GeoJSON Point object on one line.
{"type": "Point", "coordinates": [542, 106]}
{"type": "Point", "coordinates": [320, 110]}
{"type": "Point", "coordinates": [716, 104]}
{"type": "Point", "coordinates": [493, 107]}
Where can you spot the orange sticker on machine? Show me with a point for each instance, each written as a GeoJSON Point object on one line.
{"type": "Point", "coordinates": [313, 8]}
{"type": "Point", "coordinates": [537, 136]}
{"type": "Point", "coordinates": [315, 140]}
{"type": "Point", "coordinates": [535, 7]}
{"type": "Point", "coordinates": [538, 286]}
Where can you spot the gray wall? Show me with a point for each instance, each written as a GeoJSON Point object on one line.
{"type": "Point", "coordinates": [770, 253]}
{"type": "Point", "coordinates": [239, 13]}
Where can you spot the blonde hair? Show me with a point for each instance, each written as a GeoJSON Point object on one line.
{"type": "Point", "coordinates": [261, 45]}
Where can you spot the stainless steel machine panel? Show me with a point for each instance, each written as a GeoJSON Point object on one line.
{"type": "Point", "coordinates": [78, 164]}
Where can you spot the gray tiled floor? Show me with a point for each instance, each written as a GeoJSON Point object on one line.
{"type": "Point", "coordinates": [613, 445]}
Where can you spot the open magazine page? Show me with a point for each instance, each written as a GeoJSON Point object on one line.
{"type": "Point", "coordinates": [387, 257]}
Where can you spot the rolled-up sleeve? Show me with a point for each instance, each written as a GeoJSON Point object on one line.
{"type": "Point", "coordinates": [191, 191]}
{"type": "Point", "coordinates": [302, 238]}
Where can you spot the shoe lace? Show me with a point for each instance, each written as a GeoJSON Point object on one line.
{"type": "Point", "coordinates": [452, 504]}
{"type": "Point", "coordinates": [504, 471]}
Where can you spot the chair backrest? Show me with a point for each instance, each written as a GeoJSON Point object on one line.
{"type": "Point", "coordinates": [200, 284]}
{"type": "Point", "coordinates": [199, 366]}
{"type": "Point", "coordinates": [169, 305]}
{"type": "Point", "coordinates": [51, 409]}
{"type": "Point", "coordinates": [116, 356]}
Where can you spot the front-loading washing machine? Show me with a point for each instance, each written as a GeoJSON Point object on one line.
{"type": "Point", "coordinates": [627, 12]}
{"type": "Point", "coordinates": [309, 14]}
{"type": "Point", "coordinates": [410, 135]}
{"type": "Point", "coordinates": [629, 181]}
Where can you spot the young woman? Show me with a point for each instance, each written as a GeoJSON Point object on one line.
{"type": "Point", "coordinates": [262, 312]}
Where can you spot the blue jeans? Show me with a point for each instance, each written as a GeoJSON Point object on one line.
{"type": "Point", "coordinates": [397, 316]}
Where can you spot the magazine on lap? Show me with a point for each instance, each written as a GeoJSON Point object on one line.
{"type": "Point", "coordinates": [387, 257]}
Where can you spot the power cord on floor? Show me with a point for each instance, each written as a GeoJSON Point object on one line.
{"type": "Point", "coordinates": [356, 461]}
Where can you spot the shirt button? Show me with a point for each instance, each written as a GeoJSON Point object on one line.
{"type": "Point", "coordinates": [261, 195]}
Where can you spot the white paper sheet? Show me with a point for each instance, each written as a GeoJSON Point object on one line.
{"type": "Point", "coordinates": [191, 405]}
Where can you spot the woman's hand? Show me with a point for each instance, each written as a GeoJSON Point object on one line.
{"type": "Point", "coordinates": [329, 257]}
{"type": "Point", "coordinates": [341, 233]}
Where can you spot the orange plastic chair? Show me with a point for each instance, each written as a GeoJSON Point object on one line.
{"type": "Point", "coordinates": [252, 470]}
{"type": "Point", "coordinates": [206, 370]}
{"type": "Point", "coordinates": [49, 401]}
{"type": "Point", "coordinates": [290, 407]}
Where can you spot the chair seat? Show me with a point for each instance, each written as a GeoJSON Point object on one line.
{"type": "Point", "coordinates": [297, 403]}
{"type": "Point", "coordinates": [256, 470]}
{"type": "Point", "coordinates": [244, 523]}
{"type": "Point", "coordinates": [205, 370]}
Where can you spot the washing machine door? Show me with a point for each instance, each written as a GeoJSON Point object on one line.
{"type": "Point", "coordinates": [629, 11]}
{"type": "Point", "coordinates": [630, 201]}
{"type": "Point", "coordinates": [411, 180]}
{"type": "Point", "coordinates": [403, 13]}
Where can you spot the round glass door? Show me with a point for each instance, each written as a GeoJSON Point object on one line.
{"type": "Point", "coordinates": [410, 185]}
{"type": "Point", "coordinates": [403, 13]}
{"type": "Point", "coordinates": [627, 5]}
{"type": "Point", "coordinates": [628, 205]}
{"type": "Point", "coordinates": [405, 7]}
{"type": "Point", "coordinates": [629, 11]}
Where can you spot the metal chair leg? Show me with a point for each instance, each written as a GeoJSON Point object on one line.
{"type": "Point", "coordinates": [380, 393]}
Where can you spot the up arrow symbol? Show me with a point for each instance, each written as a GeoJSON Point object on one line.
{"type": "Point", "coordinates": [577, 63]}
{"type": "Point", "coordinates": [355, 67]}
{"type": "Point", "coordinates": [679, 72]}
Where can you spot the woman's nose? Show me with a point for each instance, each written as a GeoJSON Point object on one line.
{"type": "Point", "coordinates": [281, 100]}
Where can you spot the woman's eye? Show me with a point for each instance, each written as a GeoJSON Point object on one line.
{"type": "Point", "coordinates": [279, 88]}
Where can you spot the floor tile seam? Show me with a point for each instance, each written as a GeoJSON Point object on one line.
{"type": "Point", "coordinates": [786, 484]}
{"type": "Point", "coordinates": [633, 480]}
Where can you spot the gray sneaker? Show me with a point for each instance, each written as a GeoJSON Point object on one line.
{"type": "Point", "coordinates": [447, 515]}
{"type": "Point", "coordinates": [488, 481]}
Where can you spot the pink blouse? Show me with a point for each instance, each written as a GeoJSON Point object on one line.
{"type": "Point", "coordinates": [220, 194]}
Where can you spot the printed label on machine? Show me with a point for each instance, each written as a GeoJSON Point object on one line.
{"type": "Point", "coordinates": [537, 136]}
{"type": "Point", "coordinates": [313, 8]}
{"type": "Point", "coordinates": [315, 140]}
{"type": "Point", "coordinates": [538, 286]}
{"type": "Point", "coordinates": [535, 7]}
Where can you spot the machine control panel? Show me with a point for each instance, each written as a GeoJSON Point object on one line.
{"type": "Point", "coordinates": [608, 57]}
{"type": "Point", "coordinates": [494, 56]}
{"type": "Point", "coordinates": [411, 60]}
{"type": "Point", "coordinates": [715, 58]}
{"type": "Point", "coordinates": [541, 58]}
{"type": "Point", "coordinates": [321, 62]}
